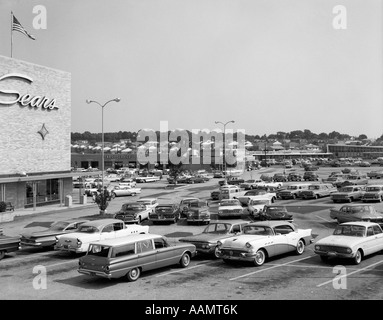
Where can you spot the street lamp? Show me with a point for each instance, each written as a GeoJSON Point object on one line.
{"type": "Point", "coordinates": [102, 134]}
{"type": "Point", "coordinates": [224, 143]}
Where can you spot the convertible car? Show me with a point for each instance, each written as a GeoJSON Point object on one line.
{"type": "Point", "coordinates": [265, 239]}
{"type": "Point", "coordinates": [47, 238]}
{"type": "Point", "coordinates": [206, 242]}
{"type": "Point", "coordinates": [352, 240]}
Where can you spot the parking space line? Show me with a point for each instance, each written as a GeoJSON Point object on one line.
{"type": "Point", "coordinates": [348, 274]}
{"type": "Point", "coordinates": [61, 263]}
{"type": "Point", "coordinates": [185, 269]}
{"type": "Point", "coordinates": [275, 266]}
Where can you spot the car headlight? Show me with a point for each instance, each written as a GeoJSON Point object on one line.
{"type": "Point", "coordinates": [219, 243]}
{"type": "Point", "coordinates": [219, 211]}
{"type": "Point", "coordinates": [79, 243]}
{"type": "Point", "coordinates": [248, 245]}
{"type": "Point", "coordinates": [317, 248]}
{"type": "Point", "coordinates": [349, 250]}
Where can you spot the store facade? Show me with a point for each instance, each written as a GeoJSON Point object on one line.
{"type": "Point", "coordinates": [35, 122]}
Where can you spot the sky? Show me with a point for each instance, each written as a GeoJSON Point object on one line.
{"type": "Point", "coordinates": [269, 65]}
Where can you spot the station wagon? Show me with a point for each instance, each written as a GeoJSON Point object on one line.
{"type": "Point", "coordinates": [130, 256]}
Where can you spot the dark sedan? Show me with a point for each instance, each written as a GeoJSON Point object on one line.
{"type": "Point", "coordinates": [47, 238]}
{"type": "Point", "coordinates": [272, 212]}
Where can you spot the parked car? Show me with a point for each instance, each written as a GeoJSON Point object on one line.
{"type": "Point", "coordinates": [231, 193]}
{"type": "Point", "coordinates": [214, 195]}
{"type": "Point", "coordinates": [293, 191]}
{"type": "Point", "coordinates": [250, 184]}
{"type": "Point", "coordinates": [235, 181]}
{"type": "Point", "coordinates": [218, 174]}
{"type": "Point", "coordinates": [198, 212]}
{"type": "Point", "coordinates": [359, 179]}
{"type": "Point", "coordinates": [375, 174]}
{"type": "Point", "coordinates": [356, 212]}
{"type": "Point", "coordinates": [47, 238]}
{"type": "Point", "coordinates": [96, 230]}
{"type": "Point", "coordinates": [192, 180]}
{"type": "Point", "coordinates": [348, 194]}
{"type": "Point", "coordinates": [244, 199]}
{"type": "Point", "coordinates": [364, 164]}
{"type": "Point", "coordinates": [311, 168]}
{"type": "Point", "coordinates": [130, 256]}
{"type": "Point", "coordinates": [310, 176]}
{"type": "Point", "coordinates": [206, 242]}
{"type": "Point", "coordinates": [294, 177]}
{"type": "Point", "coordinates": [184, 205]}
{"type": "Point", "coordinates": [8, 244]}
{"type": "Point", "coordinates": [167, 212]}
{"type": "Point", "coordinates": [336, 181]}
{"type": "Point", "coordinates": [133, 212]}
{"type": "Point", "coordinates": [351, 240]}
{"type": "Point", "coordinates": [265, 239]}
{"type": "Point", "coordinates": [320, 190]}
{"type": "Point", "coordinates": [273, 212]}
{"type": "Point", "coordinates": [149, 202]}
{"type": "Point", "coordinates": [256, 205]}
{"type": "Point", "coordinates": [230, 208]}
{"type": "Point", "coordinates": [121, 191]}
{"type": "Point", "coordinates": [373, 193]}
{"type": "Point", "coordinates": [145, 179]}
{"type": "Point", "coordinates": [280, 177]}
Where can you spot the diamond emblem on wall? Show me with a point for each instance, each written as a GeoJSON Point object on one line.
{"type": "Point", "coordinates": [43, 131]}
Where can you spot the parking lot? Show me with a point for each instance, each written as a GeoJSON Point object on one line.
{"type": "Point", "coordinates": [288, 276]}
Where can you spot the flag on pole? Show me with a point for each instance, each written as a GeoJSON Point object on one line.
{"type": "Point", "coordinates": [16, 26]}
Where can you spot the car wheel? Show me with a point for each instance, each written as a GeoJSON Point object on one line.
{"type": "Point", "coordinates": [139, 220]}
{"type": "Point", "coordinates": [300, 247]}
{"type": "Point", "coordinates": [216, 252]}
{"type": "Point", "coordinates": [260, 257]}
{"type": "Point", "coordinates": [350, 199]}
{"type": "Point", "coordinates": [2, 254]}
{"type": "Point", "coordinates": [324, 258]}
{"type": "Point", "coordinates": [317, 196]}
{"type": "Point", "coordinates": [133, 274]}
{"type": "Point", "coordinates": [133, 194]}
{"type": "Point", "coordinates": [358, 257]}
{"type": "Point", "coordinates": [185, 260]}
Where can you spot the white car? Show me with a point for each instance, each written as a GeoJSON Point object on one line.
{"type": "Point", "coordinates": [96, 230]}
{"type": "Point", "coordinates": [230, 208]}
{"type": "Point", "coordinates": [353, 240]}
{"type": "Point", "coordinates": [244, 199]}
{"type": "Point", "coordinates": [261, 240]}
{"type": "Point", "coordinates": [121, 191]}
{"type": "Point", "coordinates": [256, 205]}
{"type": "Point", "coordinates": [149, 202]}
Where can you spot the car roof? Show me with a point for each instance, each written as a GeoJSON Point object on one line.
{"type": "Point", "coordinates": [270, 223]}
{"type": "Point", "coordinates": [147, 199]}
{"type": "Point", "coordinates": [128, 239]}
{"type": "Point", "coordinates": [359, 223]}
{"type": "Point", "coordinates": [101, 222]}
{"type": "Point", "coordinates": [375, 185]}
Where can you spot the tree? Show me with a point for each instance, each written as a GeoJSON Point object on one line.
{"type": "Point", "coordinates": [362, 137]}
{"type": "Point", "coordinates": [175, 171]}
{"type": "Point", "coordinates": [102, 198]}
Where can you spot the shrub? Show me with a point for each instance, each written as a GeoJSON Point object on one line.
{"type": "Point", "coordinates": [3, 206]}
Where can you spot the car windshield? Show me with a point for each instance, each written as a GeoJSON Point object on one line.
{"type": "Point", "coordinates": [164, 209]}
{"type": "Point", "coordinates": [255, 192]}
{"type": "Point", "coordinates": [132, 207]}
{"type": "Point", "coordinates": [257, 230]}
{"type": "Point", "coordinates": [373, 189]}
{"type": "Point", "coordinates": [217, 228]}
{"type": "Point", "coordinates": [350, 230]}
{"type": "Point", "coordinates": [346, 189]}
{"type": "Point", "coordinates": [258, 202]}
{"type": "Point", "coordinates": [59, 226]}
{"type": "Point", "coordinates": [197, 204]}
{"type": "Point", "coordinates": [147, 203]}
{"type": "Point", "coordinates": [97, 250]}
{"type": "Point", "coordinates": [187, 201]}
{"type": "Point", "coordinates": [292, 188]}
{"type": "Point", "coordinates": [88, 229]}
{"type": "Point", "coordinates": [229, 203]}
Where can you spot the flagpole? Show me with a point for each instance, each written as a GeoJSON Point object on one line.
{"type": "Point", "coordinates": [11, 32]}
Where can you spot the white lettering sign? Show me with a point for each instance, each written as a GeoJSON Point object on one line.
{"type": "Point", "coordinates": [26, 99]}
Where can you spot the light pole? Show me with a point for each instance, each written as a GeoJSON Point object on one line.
{"type": "Point", "coordinates": [224, 142]}
{"type": "Point", "coordinates": [102, 134]}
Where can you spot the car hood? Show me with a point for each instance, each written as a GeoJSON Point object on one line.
{"type": "Point", "coordinates": [344, 241]}
{"type": "Point", "coordinates": [239, 242]}
{"type": "Point", "coordinates": [205, 237]}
